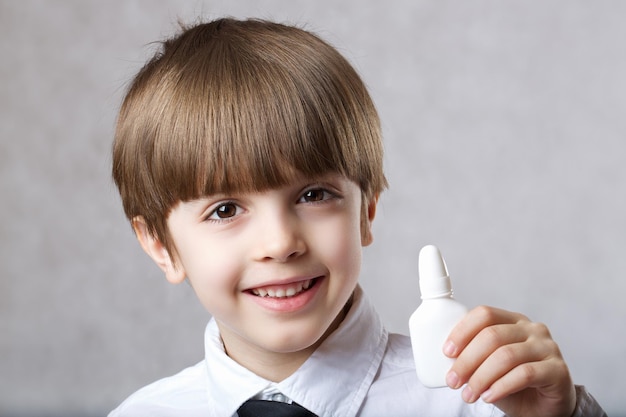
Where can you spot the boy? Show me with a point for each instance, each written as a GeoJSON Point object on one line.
{"type": "Point", "coordinates": [249, 160]}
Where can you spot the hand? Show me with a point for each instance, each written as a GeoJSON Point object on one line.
{"type": "Point", "coordinates": [509, 361]}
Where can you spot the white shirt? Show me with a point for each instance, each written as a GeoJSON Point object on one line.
{"type": "Point", "coordinates": [359, 370]}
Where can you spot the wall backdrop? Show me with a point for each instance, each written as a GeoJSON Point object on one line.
{"type": "Point", "coordinates": [505, 145]}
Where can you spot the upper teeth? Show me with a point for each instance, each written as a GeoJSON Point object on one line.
{"type": "Point", "coordinates": [283, 292]}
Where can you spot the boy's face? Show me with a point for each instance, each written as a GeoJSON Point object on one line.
{"type": "Point", "coordinates": [274, 268]}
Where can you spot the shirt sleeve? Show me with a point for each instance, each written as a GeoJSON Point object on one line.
{"type": "Point", "coordinates": [586, 405]}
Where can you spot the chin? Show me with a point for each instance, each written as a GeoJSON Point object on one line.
{"type": "Point", "coordinates": [295, 341]}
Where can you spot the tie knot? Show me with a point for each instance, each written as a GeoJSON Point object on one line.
{"type": "Point", "coordinates": [263, 408]}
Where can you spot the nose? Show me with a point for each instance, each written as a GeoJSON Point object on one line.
{"type": "Point", "coordinates": [279, 238]}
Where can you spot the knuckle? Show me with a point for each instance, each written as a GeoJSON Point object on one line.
{"type": "Point", "coordinates": [507, 355]}
{"type": "Point", "coordinates": [485, 313]}
{"type": "Point", "coordinates": [492, 336]}
{"type": "Point", "coordinates": [527, 373]}
{"type": "Point", "coordinates": [553, 348]}
{"type": "Point", "coordinates": [540, 331]}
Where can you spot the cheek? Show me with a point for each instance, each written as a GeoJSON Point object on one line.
{"type": "Point", "coordinates": [214, 275]}
{"type": "Point", "coordinates": [341, 244]}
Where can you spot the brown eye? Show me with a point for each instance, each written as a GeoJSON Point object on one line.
{"type": "Point", "coordinates": [224, 211]}
{"type": "Point", "coordinates": [314, 195]}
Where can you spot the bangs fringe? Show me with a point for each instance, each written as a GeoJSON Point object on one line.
{"type": "Point", "coordinates": [245, 124]}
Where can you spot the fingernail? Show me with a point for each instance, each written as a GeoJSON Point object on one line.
{"type": "Point", "coordinates": [449, 348]}
{"type": "Point", "coordinates": [468, 395]}
{"type": "Point", "coordinates": [486, 395]}
{"type": "Point", "coordinates": [452, 379]}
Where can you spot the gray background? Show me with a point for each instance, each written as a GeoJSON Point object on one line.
{"type": "Point", "coordinates": [505, 138]}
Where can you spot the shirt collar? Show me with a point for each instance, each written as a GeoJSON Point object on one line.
{"type": "Point", "coordinates": [332, 382]}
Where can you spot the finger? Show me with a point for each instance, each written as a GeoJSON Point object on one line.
{"type": "Point", "coordinates": [473, 323]}
{"type": "Point", "coordinates": [512, 382]}
{"type": "Point", "coordinates": [487, 342]}
{"type": "Point", "coordinates": [532, 386]}
{"type": "Point", "coordinates": [502, 362]}
{"type": "Point", "coordinates": [540, 374]}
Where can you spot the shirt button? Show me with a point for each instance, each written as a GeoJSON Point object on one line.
{"type": "Point", "coordinates": [279, 397]}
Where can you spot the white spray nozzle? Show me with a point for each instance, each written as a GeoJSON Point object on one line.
{"type": "Point", "coordinates": [433, 273]}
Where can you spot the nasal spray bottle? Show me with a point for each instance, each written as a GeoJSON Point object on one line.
{"type": "Point", "coordinates": [433, 320]}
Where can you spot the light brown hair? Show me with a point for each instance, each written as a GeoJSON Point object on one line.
{"type": "Point", "coordinates": [235, 106]}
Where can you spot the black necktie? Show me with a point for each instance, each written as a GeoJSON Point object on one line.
{"type": "Point", "coordinates": [262, 408]}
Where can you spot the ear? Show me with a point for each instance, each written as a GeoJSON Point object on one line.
{"type": "Point", "coordinates": [156, 250]}
{"type": "Point", "coordinates": [367, 218]}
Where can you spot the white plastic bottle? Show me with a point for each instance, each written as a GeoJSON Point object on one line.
{"type": "Point", "coordinates": [431, 323]}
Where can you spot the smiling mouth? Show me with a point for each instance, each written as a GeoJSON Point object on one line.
{"type": "Point", "coordinates": [284, 291]}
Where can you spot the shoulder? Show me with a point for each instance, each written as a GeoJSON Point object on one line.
{"type": "Point", "coordinates": [185, 390]}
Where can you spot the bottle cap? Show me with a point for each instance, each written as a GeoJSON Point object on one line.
{"type": "Point", "coordinates": [434, 280]}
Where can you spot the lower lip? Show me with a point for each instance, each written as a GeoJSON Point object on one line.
{"type": "Point", "coordinates": [289, 304]}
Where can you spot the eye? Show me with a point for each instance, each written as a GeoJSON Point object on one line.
{"type": "Point", "coordinates": [224, 211]}
{"type": "Point", "coordinates": [315, 195]}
